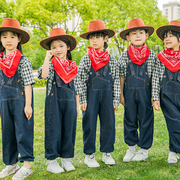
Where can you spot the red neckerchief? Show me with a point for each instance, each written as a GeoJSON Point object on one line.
{"type": "Point", "coordinates": [138, 55]}
{"type": "Point", "coordinates": [170, 58]}
{"type": "Point", "coordinates": [9, 64]}
{"type": "Point", "coordinates": [98, 58]}
{"type": "Point", "coordinates": [65, 69]}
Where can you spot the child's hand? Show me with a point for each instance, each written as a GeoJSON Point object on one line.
{"type": "Point", "coordinates": [115, 107]}
{"type": "Point", "coordinates": [122, 99]}
{"type": "Point", "coordinates": [83, 106]}
{"type": "Point", "coordinates": [156, 105]}
{"type": "Point", "coordinates": [28, 112]}
{"type": "Point", "coordinates": [48, 54]}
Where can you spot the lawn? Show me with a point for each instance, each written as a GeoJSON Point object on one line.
{"type": "Point", "coordinates": [155, 167]}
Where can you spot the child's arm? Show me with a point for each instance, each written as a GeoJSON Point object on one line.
{"type": "Point", "coordinates": [28, 97]}
{"type": "Point", "coordinates": [77, 103]}
{"type": "Point", "coordinates": [45, 68]}
{"type": "Point", "coordinates": [122, 79]}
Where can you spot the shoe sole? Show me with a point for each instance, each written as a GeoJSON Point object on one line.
{"type": "Point", "coordinates": [91, 166]}
{"type": "Point", "coordinates": [111, 164]}
{"type": "Point", "coordinates": [55, 172]}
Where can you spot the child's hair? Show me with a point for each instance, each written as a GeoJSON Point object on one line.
{"type": "Point", "coordinates": [68, 56]}
{"type": "Point", "coordinates": [2, 49]}
{"type": "Point", "coordinates": [101, 34]}
{"type": "Point", "coordinates": [174, 33]}
{"type": "Point", "coordinates": [136, 29]}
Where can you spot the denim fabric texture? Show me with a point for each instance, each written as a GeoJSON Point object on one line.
{"type": "Point", "coordinates": [170, 105]}
{"type": "Point", "coordinates": [17, 130]}
{"type": "Point", "coordinates": [60, 119]}
{"type": "Point", "coordinates": [138, 111]}
{"type": "Point", "coordinates": [99, 102]}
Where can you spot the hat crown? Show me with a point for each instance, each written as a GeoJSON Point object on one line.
{"type": "Point", "coordinates": [10, 23]}
{"type": "Point", "coordinates": [96, 25]}
{"type": "Point", "coordinates": [174, 23]}
{"type": "Point", "coordinates": [57, 32]}
{"type": "Point", "coordinates": [133, 23]}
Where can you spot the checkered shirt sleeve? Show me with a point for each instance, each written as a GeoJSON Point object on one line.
{"type": "Point", "coordinates": [157, 78]}
{"type": "Point", "coordinates": [124, 60]}
{"type": "Point", "coordinates": [25, 72]}
{"type": "Point", "coordinates": [50, 77]}
{"type": "Point", "coordinates": [84, 69]}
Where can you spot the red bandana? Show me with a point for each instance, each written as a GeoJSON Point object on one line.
{"type": "Point", "coordinates": [98, 58]}
{"type": "Point", "coordinates": [9, 64]}
{"type": "Point", "coordinates": [65, 69]}
{"type": "Point", "coordinates": [171, 59]}
{"type": "Point", "coordinates": [138, 55]}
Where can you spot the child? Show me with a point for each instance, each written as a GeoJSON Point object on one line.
{"type": "Point", "coordinates": [99, 75]}
{"type": "Point", "coordinates": [166, 84]}
{"type": "Point", "coordinates": [61, 106]}
{"type": "Point", "coordinates": [136, 67]}
{"type": "Point", "coordinates": [16, 101]}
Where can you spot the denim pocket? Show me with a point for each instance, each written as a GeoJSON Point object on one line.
{"type": "Point", "coordinates": [9, 93]}
{"type": "Point", "coordinates": [173, 88]}
{"type": "Point", "coordinates": [136, 82]}
{"type": "Point", "coordinates": [65, 93]}
{"type": "Point", "coordinates": [99, 83]}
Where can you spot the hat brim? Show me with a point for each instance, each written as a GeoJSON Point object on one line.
{"type": "Point", "coordinates": [110, 33]}
{"type": "Point", "coordinates": [125, 32]}
{"type": "Point", "coordinates": [161, 30]}
{"type": "Point", "coordinates": [45, 42]}
{"type": "Point", "coordinates": [25, 36]}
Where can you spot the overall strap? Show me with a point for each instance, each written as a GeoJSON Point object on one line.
{"type": "Point", "coordinates": [131, 66]}
{"type": "Point", "coordinates": [141, 70]}
{"type": "Point", "coordinates": [169, 74]}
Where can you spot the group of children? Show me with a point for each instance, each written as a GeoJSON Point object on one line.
{"type": "Point", "coordinates": [139, 80]}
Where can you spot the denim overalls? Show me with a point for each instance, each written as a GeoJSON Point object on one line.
{"type": "Point", "coordinates": [60, 120]}
{"type": "Point", "coordinates": [99, 101]}
{"type": "Point", "coordinates": [17, 130]}
{"type": "Point", "coordinates": [138, 109]}
{"type": "Point", "coordinates": [170, 105]}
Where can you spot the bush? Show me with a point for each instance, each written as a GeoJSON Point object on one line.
{"type": "Point", "coordinates": [40, 83]}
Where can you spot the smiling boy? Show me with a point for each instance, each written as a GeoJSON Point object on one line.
{"type": "Point", "coordinates": [136, 67]}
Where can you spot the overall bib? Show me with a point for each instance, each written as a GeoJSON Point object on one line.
{"type": "Point", "coordinates": [60, 120]}
{"type": "Point", "coordinates": [138, 109]}
{"type": "Point", "coordinates": [170, 105]}
{"type": "Point", "coordinates": [100, 101]}
{"type": "Point", "coordinates": [17, 130]}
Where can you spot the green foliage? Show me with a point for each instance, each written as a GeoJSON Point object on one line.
{"type": "Point", "coordinates": [40, 83]}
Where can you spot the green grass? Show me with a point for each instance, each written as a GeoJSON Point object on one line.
{"type": "Point", "coordinates": [155, 167]}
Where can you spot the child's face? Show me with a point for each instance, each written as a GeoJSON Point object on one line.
{"type": "Point", "coordinates": [97, 42]}
{"type": "Point", "coordinates": [171, 42]}
{"type": "Point", "coordinates": [59, 49]}
{"type": "Point", "coordinates": [137, 37]}
{"type": "Point", "coordinates": [9, 41]}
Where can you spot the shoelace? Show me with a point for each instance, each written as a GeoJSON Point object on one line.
{"type": "Point", "coordinates": [91, 156]}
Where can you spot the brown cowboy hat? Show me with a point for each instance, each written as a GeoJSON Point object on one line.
{"type": "Point", "coordinates": [58, 33]}
{"type": "Point", "coordinates": [14, 26]}
{"type": "Point", "coordinates": [96, 26]}
{"type": "Point", "coordinates": [136, 24]}
{"type": "Point", "coordinates": [173, 25]}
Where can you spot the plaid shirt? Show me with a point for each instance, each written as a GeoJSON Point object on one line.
{"type": "Point", "coordinates": [50, 77]}
{"type": "Point", "coordinates": [25, 71]}
{"type": "Point", "coordinates": [124, 60]}
{"type": "Point", "coordinates": [84, 69]}
{"type": "Point", "coordinates": [157, 78]}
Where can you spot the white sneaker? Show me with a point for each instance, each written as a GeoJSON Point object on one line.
{"type": "Point", "coordinates": [90, 161]}
{"type": "Point", "coordinates": [22, 173]}
{"type": "Point", "coordinates": [172, 158]}
{"type": "Point", "coordinates": [129, 155]}
{"type": "Point", "coordinates": [53, 166]}
{"type": "Point", "coordinates": [67, 164]}
{"type": "Point", "coordinates": [140, 155]}
{"type": "Point", "coordinates": [8, 170]}
{"type": "Point", "coordinates": [107, 159]}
